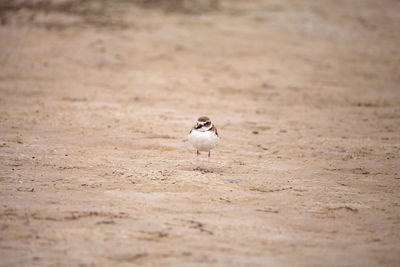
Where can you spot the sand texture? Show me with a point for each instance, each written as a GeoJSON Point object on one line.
{"type": "Point", "coordinates": [97, 99]}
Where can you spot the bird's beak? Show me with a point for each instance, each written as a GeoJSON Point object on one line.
{"type": "Point", "coordinates": [198, 126]}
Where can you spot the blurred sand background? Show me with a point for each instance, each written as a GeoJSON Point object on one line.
{"type": "Point", "coordinates": [97, 98]}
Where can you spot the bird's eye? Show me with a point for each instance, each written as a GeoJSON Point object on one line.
{"type": "Point", "coordinates": [207, 123]}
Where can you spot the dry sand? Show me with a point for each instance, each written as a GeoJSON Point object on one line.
{"type": "Point", "coordinates": [97, 98]}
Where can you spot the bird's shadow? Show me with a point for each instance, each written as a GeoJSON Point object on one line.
{"type": "Point", "coordinates": [203, 170]}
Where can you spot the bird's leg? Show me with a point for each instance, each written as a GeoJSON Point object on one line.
{"type": "Point", "coordinates": [208, 160]}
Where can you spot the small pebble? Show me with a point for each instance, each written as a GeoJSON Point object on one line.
{"type": "Point", "coordinates": [233, 181]}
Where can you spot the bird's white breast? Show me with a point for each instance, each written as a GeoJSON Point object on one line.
{"type": "Point", "coordinates": [203, 141]}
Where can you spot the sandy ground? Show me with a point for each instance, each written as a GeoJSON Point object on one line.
{"type": "Point", "coordinates": [97, 98]}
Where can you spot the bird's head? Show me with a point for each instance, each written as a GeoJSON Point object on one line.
{"type": "Point", "coordinates": [203, 124]}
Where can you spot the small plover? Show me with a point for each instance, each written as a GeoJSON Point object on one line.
{"type": "Point", "coordinates": [203, 136]}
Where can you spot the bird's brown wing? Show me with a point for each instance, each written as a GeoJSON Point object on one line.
{"type": "Point", "coordinates": [214, 130]}
{"type": "Point", "coordinates": [192, 129]}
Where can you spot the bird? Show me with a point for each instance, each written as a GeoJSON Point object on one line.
{"type": "Point", "coordinates": [203, 136]}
